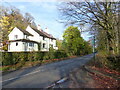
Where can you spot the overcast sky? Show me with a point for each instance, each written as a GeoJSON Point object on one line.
{"type": "Point", "coordinates": [46, 14]}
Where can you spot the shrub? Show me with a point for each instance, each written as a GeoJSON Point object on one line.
{"type": "Point", "coordinates": [48, 55]}
{"type": "Point", "coordinates": [16, 58]}
{"type": "Point", "coordinates": [12, 58]}
{"type": "Point", "coordinates": [60, 54]}
{"type": "Point", "coordinates": [37, 56]}
{"type": "Point", "coordinates": [31, 56]}
{"type": "Point", "coordinates": [111, 61]}
{"type": "Point", "coordinates": [23, 57]}
{"type": "Point", "coordinates": [7, 58]}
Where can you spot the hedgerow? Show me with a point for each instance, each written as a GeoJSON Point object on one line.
{"type": "Point", "coordinates": [12, 58]}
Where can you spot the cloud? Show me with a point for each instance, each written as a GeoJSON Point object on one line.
{"type": "Point", "coordinates": [22, 7]}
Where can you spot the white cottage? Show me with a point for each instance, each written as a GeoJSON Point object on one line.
{"type": "Point", "coordinates": [30, 40]}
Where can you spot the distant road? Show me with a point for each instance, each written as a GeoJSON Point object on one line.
{"type": "Point", "coordinates": [43, 76]}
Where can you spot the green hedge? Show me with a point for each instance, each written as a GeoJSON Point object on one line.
{"type": "Point", "coordinates": [12, 58]}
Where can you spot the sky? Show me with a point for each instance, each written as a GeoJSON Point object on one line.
{"type": "Point", "coordinates": [45, 14]}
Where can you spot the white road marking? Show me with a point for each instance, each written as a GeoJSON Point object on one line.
{"type": "Point", "coordinates": [27, 74]}
{"type": "Point", "coordinates": [21, 76]}
{"type": "Point", "coordinates": [57, 83]}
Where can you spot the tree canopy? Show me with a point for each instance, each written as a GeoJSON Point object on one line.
{"type": "Point", "coordinates": [73, 41]}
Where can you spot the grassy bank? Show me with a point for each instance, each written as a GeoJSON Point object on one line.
{"type": "Point", "coordinates": [103, 60]}
{"type": "Point", "coordinates": [105, 70]}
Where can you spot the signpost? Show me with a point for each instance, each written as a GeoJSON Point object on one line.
{"type": "Point", "coordinates": [93, 45]}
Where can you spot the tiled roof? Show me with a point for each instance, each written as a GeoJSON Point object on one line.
{"type": "Point", "coordinates": [48, 35]}
{"type": "Point", "coordinates": [25, 32]}
{"type": "Point", "coordinates": [42, 33]}
{"type": "Point", "coordinates": [39, 32]}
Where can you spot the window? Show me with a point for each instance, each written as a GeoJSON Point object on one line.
{"type": "Point", "coordinates": [31, 44]}
{"type": "Point", "coordinates": [43, 38]}
{"type": "Point", "coordinates": [43, 45]}
{"type": "Point", "coordinates": [16, 44]}
{"type": "Point", "coordinates": [16, 36]}
{"type": "Point", "coordinates": [26, 44]}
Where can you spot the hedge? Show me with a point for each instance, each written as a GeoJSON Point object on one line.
{"type": "Point", "coordinates": [12, 58]}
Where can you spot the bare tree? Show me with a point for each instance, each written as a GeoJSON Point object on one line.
{"type": "Point", "coordinates": [28, 17]}
{"type": "Point", "coordinates": [100, 15]}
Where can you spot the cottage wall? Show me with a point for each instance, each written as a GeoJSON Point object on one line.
{"type": "Point", "coordinates": [17, 32]}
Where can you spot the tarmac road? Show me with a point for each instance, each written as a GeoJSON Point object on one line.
{"type": "Point", "coordinates": [42, 76]}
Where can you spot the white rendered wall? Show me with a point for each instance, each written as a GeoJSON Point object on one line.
{"type": "Point", "coordinates": [14, 32]}
{"type": "Point", "coordinates": [14, 48]}
{"type": "Point", "coordinates": [22, 46]}
{"type": "Point", "coordinates": [46, 41]}
{"type": "Point", "coordinates": [35, 37]}
{"type": "Point", "coordinates": [53, 42]}
{"type": "Point", "coordinates": [54, 45]}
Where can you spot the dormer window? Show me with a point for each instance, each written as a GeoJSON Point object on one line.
{"type": "Point", "coordinates": [16, 37]}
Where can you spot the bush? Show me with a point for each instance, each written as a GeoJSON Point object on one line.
{"type": "Point", "coordinates": [110, 61]}
{"type": "Point", "coordinates": [60, 54]}
{"type": "Point", "coordinates": [31, 56]}
{"type": "Point", "coordinates": [16, 58]}
{"type": "Point", "coordinates": [12, 58]}
{"type": "Point", "coordinates": [23, 57]}
{"type": "Point", "coordinates": [37, 56]}
{"type": "Point", "coordinates": [7, 58]}
{"type": "Point", "coordinates": [46, 56]}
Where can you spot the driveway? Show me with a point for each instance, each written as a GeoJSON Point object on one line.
{"type": "Point", "coordinates": [43, 76]}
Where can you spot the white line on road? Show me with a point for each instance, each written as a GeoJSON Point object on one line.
{"type": "Point", "coordinates": [25, 75]}
{"type": "Point", "coordinates": [21, 76]}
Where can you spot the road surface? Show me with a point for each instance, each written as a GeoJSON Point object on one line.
{"type": "Point", "coordinates": [42, 76]}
